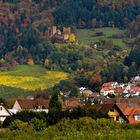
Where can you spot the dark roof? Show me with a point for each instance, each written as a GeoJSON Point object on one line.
{"type": "Point", "coordinates": [103, 107]}
{"type": "Point", "coordinates": [106, 107]}
{"type": "Point", "coordinates": [71, 103]}
{"type": "Point", "coordinates": [31, 104]}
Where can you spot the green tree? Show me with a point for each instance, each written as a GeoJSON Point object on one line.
{"type": "Point", "coordinates": [68, 87]}
{"type": "Point", "coordinates": [55, 108]}
{"type": "Point", "coordinates": [55, 103]}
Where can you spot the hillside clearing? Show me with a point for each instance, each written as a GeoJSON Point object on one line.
{"type": "Point", "coordinates": [88, 36]}
{"type": "Point", "coordinates": [29, 78]}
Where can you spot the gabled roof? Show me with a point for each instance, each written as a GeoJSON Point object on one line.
{"type": "Point", "coordinates": [106, 108]}
{"type": "Point", "coordinates": [130, 110]}
{"type": "Point", "coordinates": [107, 89]}
{"type": "Point", "coordinates": [72, 103]}
{"type": "Point", "coordinates": [103, 107]}
{"type": "Point", "coordinates": [30, 104]}
{"type": "Point", "coordinates": [108, 84]}
{"type": "Point", "coordinates": [135, 88]}
{"type": "Point", "coordinates": [87, 91]}
{"type": "Point", "coordinates": [4, 111]}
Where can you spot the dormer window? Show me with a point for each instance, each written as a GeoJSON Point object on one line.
{"type": "Point", "coordinates": [39, 107]}
{"type": "Point", "coordinates": [137, 117]}
{"type": "Point", "coordinates": [35, 107]}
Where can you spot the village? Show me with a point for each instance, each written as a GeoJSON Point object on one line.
{"type": "Point", "coordinates": [69, 70]}
{"type": "Point", "coordinates": [119, 100]}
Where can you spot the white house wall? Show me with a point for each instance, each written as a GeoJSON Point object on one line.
{"type": "Point", "coordinates": [16, 106]}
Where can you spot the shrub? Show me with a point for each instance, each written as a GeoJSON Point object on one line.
{"type": "Point", "coordinates": [18, 125]}
{"type": "Point", "coordinates": [37, 124]}
{"type": "Point", "coordinates": [8, 120]}
{"type": "Point", "coordinates": [86, 123]}
{"type": "Point", "coordinates": [107, 124]}
{"type": "Point", "coordinates": [66, 125]}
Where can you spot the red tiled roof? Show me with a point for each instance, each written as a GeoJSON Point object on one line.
{"type": "Point", "coordinates": [135, 88]}
{"type": "Point", "coordinates": [107, 89]}
{"type": "Point", "coordinates": [108, 84]}
{"type": "Point", "coordinates": [119, 90]}
{"type": "Point", "coordinates": [137, 112]}
{"type": "Point", "coordinates": [130, 110]}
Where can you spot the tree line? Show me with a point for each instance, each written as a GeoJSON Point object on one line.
{"type": "Point", "coordinates": [93, 13]}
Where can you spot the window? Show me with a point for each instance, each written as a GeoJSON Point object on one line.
{"type": "Point", "coordinates": [35, 107]}
{"type": "Point", "coordinates": [137, 117]}
{"type": "Point", "coordinates": [117, 118]}
{"type": "Point", "coordinates": [0, 108]}
{"type": "Point", "coordinates": [112, 110]}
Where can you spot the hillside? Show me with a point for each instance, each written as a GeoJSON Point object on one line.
{"type": "Point", "coordinates": [88, 36]}
{"type": "Point", "coordinates": [105, 32]}
{"type": "Point", "coordinates": [23, 80]}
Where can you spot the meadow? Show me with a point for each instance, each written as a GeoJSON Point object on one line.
{"type": "Point", "coordinates": [73, 135]}
{"type": "Point", "coordinates": [88, 36]}
{"type": "Point", "coordinates": [24, 80]}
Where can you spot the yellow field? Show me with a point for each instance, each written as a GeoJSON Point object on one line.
{"type": "Point", "coordinates": [31, 78]}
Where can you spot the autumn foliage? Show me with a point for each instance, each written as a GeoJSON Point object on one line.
{"type": "Point", "coordinates": [95, 82]}
{"type": "Point", "coordinates": [30, 61]}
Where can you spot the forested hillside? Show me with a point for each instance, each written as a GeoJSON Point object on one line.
{"type": "Point", "coordinates": [114, 25]}
{"type": "Point", "coordinates": [97, 13]}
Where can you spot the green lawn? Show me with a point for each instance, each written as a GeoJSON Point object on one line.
{"type": "Point", "coordinates": [25, 80]}
{"type": "Point", "coordinates": [88, 36]}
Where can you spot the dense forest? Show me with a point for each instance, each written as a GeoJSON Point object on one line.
{"type": "Point", "coordinates": [94, 13]}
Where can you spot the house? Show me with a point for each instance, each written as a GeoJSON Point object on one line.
{"type": "Point", "coordinates": [119, 91]}
{"type": "Point", "coordinates": [110, 85]}
{"type": "Point", "coordinates": [113, 112]}
{"type": "Point", "coordinates": [72, 103]}
{"type": "Point", "coordinates": [136, 80]}
{"type": "Point", "coordinates": [82, 89]}
{"type": "Point", "coordinates": [108, 88]}
{"type": "Point", "coordinates": [105, 91]}
{"type": "Point", "coordinates": [53, 30]}
{"type": "Point", "coordinates": [33, 105]}
{"type": "Point", "coordinates": [66, 32]}
{"type": "Point", "coordinates": [135, 89]}
{"type": "Point", "coordinates": [87, 92]}
{"type": "Point", "coordinates": [127, 88]}
{"type": "Point", "coordinates": [131, 111]}
{"type": "Point", "coordinates": [3, 113]}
